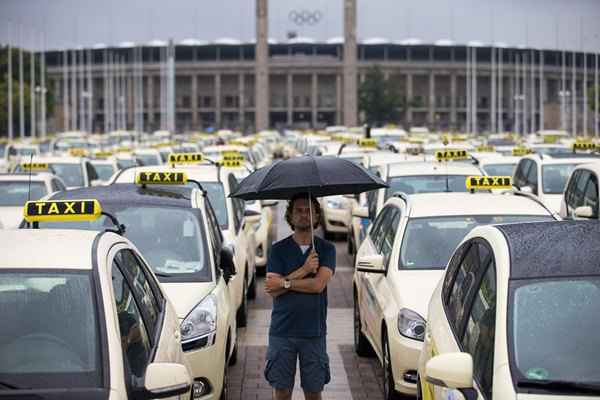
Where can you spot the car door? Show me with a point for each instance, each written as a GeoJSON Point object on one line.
{"type": "Point", "coordinates": [156, 319]}
{"type": "Point", "coordinates": [379, 286]}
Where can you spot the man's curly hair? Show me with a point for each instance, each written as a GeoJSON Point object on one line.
{"type": "Point", "coordinates": [316, 216]}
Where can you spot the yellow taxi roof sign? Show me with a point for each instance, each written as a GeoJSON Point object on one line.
{"type": "Point", "coordinates": [35, 166]}
{"type": "Point", "coordinates": [488, 182]}
{"type": "Point", "coordinates": [62, 210]}
{"type": "Point", "coordinates": [232, 156]}
{"type": "Point", "coordinates": [449, 155]}
{"type": "Point", "coordinates": [367, 142]}
{"type": "Point", "coordinates": [103, 154]}
{"type": "Point", "coordinates": [76, 152]}
{"type": "Point", "coordinates": [161, 178]}
{"type": "Point", "coordinates": [584, 145]}
{"type": "Point", "coordinates": [521, 151]}
{"type": "Point", "coordinates": [231, 163]}
{"type": "Point", "coordinates": [185, 158]}
{"type": "Point", "coordinates": [485, 149]}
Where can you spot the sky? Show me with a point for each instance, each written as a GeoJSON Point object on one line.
{"type": "Point", "coordinates": [544, 24]}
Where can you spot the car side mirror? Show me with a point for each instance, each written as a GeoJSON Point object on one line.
{"type": "Point", "coordinates": [252, 216]}
{"type": "Point", "coordinates": [527, 189]}
{"type": "Point", "coordinates": [164, 380]}
{"type": "Point", "coordinates": [451, 370]}
{"type": "Point", "coordinates": [360, 212]}
{"type": "Point", "coordinates": [584, 212]}
{"type": "Point", "coordinates": [227, 264]}
{"type": "Point", "coordinates": [371, 264]}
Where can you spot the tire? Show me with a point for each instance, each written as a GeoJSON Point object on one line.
{"type": "Point", "coordinates": [362, 347]}
{"type": "Point", "coordinates": [252, 288]}
{"type": "Point", "coordinates": [242, 312]}
{"type": "Point", "coordinates": [389, 391]}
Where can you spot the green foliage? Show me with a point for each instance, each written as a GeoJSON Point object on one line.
{"type": "Point", "coordinates": [27, 59]}
{"type": "Point", "coordinates": [377, 100]}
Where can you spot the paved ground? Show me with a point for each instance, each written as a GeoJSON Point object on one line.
{"type": "Point", "coordinates": [351, 377]}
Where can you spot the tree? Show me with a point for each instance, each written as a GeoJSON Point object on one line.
{"type": "Point", "coordinates": [377, 100]}
{"type": "Point", "coordinates": [15, 90]}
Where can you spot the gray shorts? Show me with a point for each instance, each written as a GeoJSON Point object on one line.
{"type": "Point", "coordinates": [282, 355]}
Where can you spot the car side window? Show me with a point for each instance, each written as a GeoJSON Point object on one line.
{"type": "Point", "coordinates": [452, 269]}
{"type": "Point", "coordinates": [142, 289]}
{"type": "Point", "coordinates": [478, 339]}
{"type": "Point", "coordinates": [56, 185]}
{"type": "Point", "coordinates": [91, 172]}
{"type": "Point", "coordinates": [216, 239]}
{"type": "Point", "coordinates": [591, 195]}
{"type": "Point", "coordinates": [238, 205]}
{"type": "Point", "coordinates": [135, 342]}
{"type": "Point", "coordinates": [532, 177]}
{"type": "Point", "coordinates": [579, 189]}
{"type": "Point", "coordinates": [389, 234]}
{"type": "Point", "coordinates": [521, 173]}
{"type": "Point", "coordinates": [372, 197]}
{"type": "Point", "coordinates": [377, 226]}
{"type": "Point", "coordinates": [462, 288]}
{"type": "Point", "coordinates": [570, 191]}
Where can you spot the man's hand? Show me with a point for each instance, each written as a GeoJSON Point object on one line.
{"type": "Point", "coordinates": [311, 265]}
{"type": "Point", "coordinates": [273, 283]}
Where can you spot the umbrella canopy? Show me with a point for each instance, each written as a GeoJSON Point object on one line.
{"type": "Point", "coordinates": [317, 175]}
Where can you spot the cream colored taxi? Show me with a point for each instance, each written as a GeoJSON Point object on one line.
{"type": "Point", "coordinates": [97, 321]}
{"type": "Point", "coordinates": [175, 228]}
{"type": "Point", "coordinates": [404, 256]}
{"type": "Point", "coordinates": [75, 172]}
{"type": "Point", "coordinates": [515, 316]}
{"type": "Point", "coordinates": [234, 220]}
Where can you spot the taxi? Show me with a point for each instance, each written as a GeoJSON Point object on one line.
{"type": "Point", "coordinates": [75, 172]}
{"type": "Point", "coordinates": [514, 315]}
{"type": "Point", "coordinates": [176, 230]}
{"type": "Point", "coordinates": [408, 247]}
{"type": "Point", "coordinates": [106, 165]}
{"type": "Point", "coordinates": [98, 322]}
{"type": "Point", "coordinates": [234, 220]}
{"type": "Point", "coordinates": [546, 176]}
{"type": "Point", "coordinates": [17, 189]}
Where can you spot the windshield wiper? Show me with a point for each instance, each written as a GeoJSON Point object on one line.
{"type": "Point", "coordinates": [561, 386]}
{"type": "Point", "coordinates": [9, 386]}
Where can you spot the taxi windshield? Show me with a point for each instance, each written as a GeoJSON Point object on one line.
{"type": "Point", "coordinates": [149, 159]}
{"type": "Point", "coordinates": [216, 196]}
{"type": "Point", "coordinates": [71, 174]}
{"type": "Point", "coordinates": [126, 163]}
{"type": "Point", "coordinates": [499, 169]}
{"type": "Point", "coordinates": [171, 239]}
{"type": "Point", "coordinates": [15, 193]}
{"type": "Point", "coordinates": [429, 242]}
{"type": "Point", "coordinates": [557, 317]}
{"type": "Point", "coordinates": [554, 177]}
{"type": "Point", "coordinates": [49, 336]}
{"type": "Point", "coordinates": [105, 171]}
{"type": "Point", "coordinates": [426, 184]}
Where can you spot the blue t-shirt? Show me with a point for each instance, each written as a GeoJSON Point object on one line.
{"type": "Point", "coordinates": [299, 314]}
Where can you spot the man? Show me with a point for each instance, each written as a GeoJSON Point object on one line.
{"type": "Point", "coordinates": [297, 277]}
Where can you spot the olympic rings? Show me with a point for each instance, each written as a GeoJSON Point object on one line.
{"type": "Point", "coordinates": [305, 17]}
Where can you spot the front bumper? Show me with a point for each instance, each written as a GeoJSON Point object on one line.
{"type": "Point", "coordinates": [404, 354]}
{"type": "Point", "coordinates": [207, 365]}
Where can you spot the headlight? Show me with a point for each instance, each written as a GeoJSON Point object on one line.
{"type": "Point", "coordinates": [411, 324]}
{"type": "Point", "coordinates": [198, 329]}
{"type": "Point", "coordinates": [335, 204]}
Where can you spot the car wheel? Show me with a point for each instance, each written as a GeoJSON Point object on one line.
{"type": "Point", "coordinates": [242, 313]}
{"type": "Point", "coordinates": [362, 347]}
{"type": "Point", "coordinates": [389, 387]}
{"type": "Point", "coordinates": [252, 288]}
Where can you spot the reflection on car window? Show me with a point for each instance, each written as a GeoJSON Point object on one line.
{"type": "Point", "coordinates": [134, 337]}
{"type": "Point", "coordinates": [16, 193]}
{"type": "Point", "coordinates": [105, 171]}
{"type": "Point", "coordinates": [426, 184]}
{"type": "Point", "coordinates": [216, 196]}
{"type": "Point", "coordinates": [71, 174]}
{"type": "Point", "coordinates": [499, 169]}
{"type": "Point", "coordinates": [48, 328]}
{"type": "Point", "coordinates": [554, 177]}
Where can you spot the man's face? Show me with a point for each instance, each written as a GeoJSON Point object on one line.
{"type": "Point", "coordinates": [301, 215]}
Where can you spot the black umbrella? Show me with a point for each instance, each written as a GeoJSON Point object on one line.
{"type": "Point", "coordinates": [316, 175]}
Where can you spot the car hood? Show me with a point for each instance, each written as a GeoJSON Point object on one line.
{"type": "Point", "coordinates": [413, 289]}
{"type": "Point", "coordinates": [185, 296]}
{"type": "Point", "coordinates": [11, 217]}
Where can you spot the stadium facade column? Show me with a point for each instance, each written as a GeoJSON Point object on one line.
{"type": "Point", "coordinates": [130, 106]}
{"type": "Point", "coordinates": [218, 101]}
{"type": "Point", "coordinates": [314, 98]}
{"type": "Point", "coordinates": [409, 98]}
{"type": "Point", "coordinates": [338, 99]}
{"type": "Point", "coordinates": [350, 64]}
{"type": "Point", "coordinates": [453, 124]}
{"type": "Point", "coordinates": [262, 65]}
{"type": "Point", "coordinates": [150, 95]}
{"type": "Point", "coordinates": [241, 105]}
{"type": "Point", "coordinates": [194, 101]}
{"type": "Point", "coordinates": [431, 110]}
{"type": "Point", "coordinates": [290, 98]}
